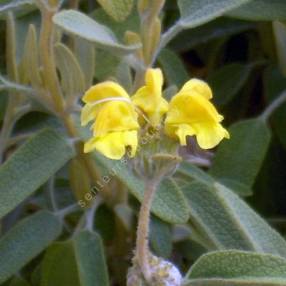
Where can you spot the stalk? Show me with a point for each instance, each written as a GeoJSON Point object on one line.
{"type": "Point", "coordinates": [142, 251]}
{"type": "Point", "coordinates": [52, 83]}
{"type": "Point", "coordinates": [142, 246]}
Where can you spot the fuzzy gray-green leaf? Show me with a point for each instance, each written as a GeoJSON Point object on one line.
{"type": "Point", "coordinates": [117, 9]}
{"type": "Point", "coordinates": [240, 158]}
{"type": "Point", "coordinates": [168, 60]}
{"type": "Point", "coordinates": [229, 223]}
{"type": "Point", "coordinates": [238, 268]}
{"type": "Point", "coordinates": [72, 77]}
{"type": "Point", "coordinates": [25, 241]}
{"type": "Point", "coordinates": [79, 24]}
{"type": "Point", "coordinates": [59, 260]}
{"type": "Point", "coordinates": [261, 10]}
{"type": "Point", "coordinates": [160, 237]}
{"type": "Point", "coordinates": [90, 259]}
{"type": "Point", "coordinates": [227, 81]}
{"type": "Point", "coordinates": [15, 5]}
{"type": "Point", "coordinates": [188, 171]}
{"type": "Point", "coordinates": [76, 262]}
{"type": "Point", "coordinates": [31, 166]}
{"type": "Point", "coordinates": [197, 12]}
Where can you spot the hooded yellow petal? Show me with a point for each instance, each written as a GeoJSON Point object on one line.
{"type": "Point", "coordinates": [197, 86]}
{"type": "Point", "coordinates": [104, 90]}
{"type": "Point", "coordinates": [190, 108]}
{"type": "Point", "coordinates": [191, 113]}
{"type": "Point", "coordinates": [115, 126]}
{"type": "Point", "coordinates": [113, 145]}
{"type": "Point", "coordinates": [115, 116]}
{"type": "Point", "coordinates": [149, 98]}
{"type": "Point", "coordinates": [88, 113]}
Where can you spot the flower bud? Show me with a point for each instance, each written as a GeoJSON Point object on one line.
{"type": "Point", "coordinates": [162, 273]}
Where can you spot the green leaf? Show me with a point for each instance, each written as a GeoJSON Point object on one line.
{"type": "Point", "coordinates": [132, 23]}
{"type": "Point", "coordinates": [275, 84]}
{"type": "Point", "coordinates": [82, 258]}
{"type": "Point", "coordinates": [169, 202]}
{"type": "Point", "coordinates": [236, 282]}
{"type": "Point", "coordinates": [18, 281]}
{"type": "Point", "coordinates": [261, 10]}
{"type": "Point", "coordinates": [105, 223]}
{"type": "Point", "coordinates": [83, 26]}
{"type": "Point", "coordinates": [160, 237]}
{"type": "Point", "coordinates": [71, 74]}
{"type": "Point", "coordinates": [237, 187]}
{"type": "Point", "coordinates": [31, 166]}
{"type": "Point", "coordinates": [229, 223]}
{"type": "Point", "coordinates": [79, 180]}
{"type": "Point", "coordinates": [197, 12]}
{"type": "Point", "coordinates": [25, 241]}
{"type": "Point", "coordinates": [190, 171]}
{"type": "Point", "coordinates": [90, 259]}
{"type": "Point", "coordinates": [216, 29]}
{"type": "Point", "coordinates": [29, 68]}
{"type": "Point", "coordinates": [85, 54]}
{"type": "Point", "coordinates": [124, 76]}
{"type": "Point", "coordinates": [279, 30]}
{"type": "Point", "coordinates": [240, 158]}
{"type": "Point", "coordinates": [189, 249]}
{"type": "Point", "coordinates": [23, 23]}
{"type": "Point", "coordinates": [119, 10]}
{"type": "Point", "coordinates": [108, 64]}
{"type": "Point", "coordinates": [227, 81]}
{"type": "Point", "coordinates": [59, 266]}
{"type": "Point", "coordinates": [238, 268]}
{"type": "Point", "coordinates": [195, 173]}
{"type": "Point", "coordinates": [15, 5]}
{"type": "Point", "coordinates": [168, 60]}
{"type": "Point", "coordinates": [33, 122]}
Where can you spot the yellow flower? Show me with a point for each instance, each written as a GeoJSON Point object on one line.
{"type": "Point", "coordinates": [99, 93]}
{"type": "Point", "coordinates": [191, 113]}
{"type": "Point", "coordinates": [149, 97]}
{"type": "Point", "coordinates": [115, 124]}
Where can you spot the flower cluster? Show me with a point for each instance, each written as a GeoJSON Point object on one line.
{"type": "Point", "coordinates": [117, 116]}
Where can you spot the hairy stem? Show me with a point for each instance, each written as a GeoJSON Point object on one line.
{"type": "Point", "coordinates": [142, 247]}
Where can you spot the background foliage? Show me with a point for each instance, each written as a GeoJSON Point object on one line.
{"type": "Point", "coordinates": [208, 218]}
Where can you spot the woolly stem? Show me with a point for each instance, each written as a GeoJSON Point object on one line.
{"type": "Point", "coordinates": [142, 247]}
